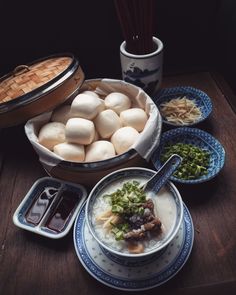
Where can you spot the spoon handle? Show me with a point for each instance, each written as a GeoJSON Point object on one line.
{"type": "Point", "coordinates": [156, 182]}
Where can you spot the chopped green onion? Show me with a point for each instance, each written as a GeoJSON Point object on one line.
{"type": "Point", "coordinates": [195, 160]}
{"type": "Point", "coordinates": [128, 199]}
{"type": "Point", "coordinates": [117, 209]}
{"type": "Point", "coordinates": [126, 202]}
{"type": "Point", "coordinates": [119, 230]}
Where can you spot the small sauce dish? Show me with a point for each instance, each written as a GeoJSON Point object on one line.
{"type": "Point", "coordinates": [50, 207]}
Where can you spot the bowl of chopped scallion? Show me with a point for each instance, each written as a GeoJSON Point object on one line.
{"type": "Point", "coordinates": [183, 106]}
{"type": "Point", "coordinates": [203, 156]}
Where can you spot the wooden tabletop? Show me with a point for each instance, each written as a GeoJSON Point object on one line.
{"type": "Point", "coordinates": [31, 264]}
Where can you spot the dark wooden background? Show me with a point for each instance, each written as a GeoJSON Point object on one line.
{"type": "Point", "coordinates": [33, 265]}
{"type": "Point", "coordinates": [196, 34]}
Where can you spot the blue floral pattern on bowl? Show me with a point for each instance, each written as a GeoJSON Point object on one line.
{"type": "Point", "coordinates": [127, 173]}
{"type": "Point", "coordinates": [198, 138]}
{"type": "Point", "coordinates": [201, 99]}
{"type": "Point", "coordinates": [134, 275]}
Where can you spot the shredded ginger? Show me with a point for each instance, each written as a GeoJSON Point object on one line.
{"type": "Point", "coordinates": [180, 111]}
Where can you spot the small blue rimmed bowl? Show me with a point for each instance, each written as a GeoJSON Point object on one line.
{"type": "Point", "coordinates": [198, 138]}
{"type": "Point", "coordinates": [200, 98]}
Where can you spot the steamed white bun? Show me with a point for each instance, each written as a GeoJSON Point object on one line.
{"type": "Point", "coordinates": [124, 138]}
{"type": "Point", "coordinates": [102, 106]}
{"type": "Point", "coordinates": [96, 136]}
{"type": "Point", "coordinates": [79, 130]}
{"type": "Point", "coordinates": [135, 118]}
{"type": "Point", "coordinates": [61, 114]}
{"type": "Point", "coordinates": [51, 134]}
{"type": "Point", "coordinates": [85, 106]}
{"type": "Point", "coordinates": [117, 102]}
{"type": "Point", "coordinates": [89, 92]}
{"type": "Point", "coordinates": [99, 150]}
{"type": "Point", "coordinates": [107, 122]}
{"type": "Point", "coordinates": [70, 151]}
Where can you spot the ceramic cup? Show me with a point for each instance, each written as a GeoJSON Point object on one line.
{"type": "Point", "coordinates": [145, 70]}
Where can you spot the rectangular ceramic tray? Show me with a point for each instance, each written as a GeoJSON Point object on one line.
{"type": "Point", "coordinates": [50, 207]}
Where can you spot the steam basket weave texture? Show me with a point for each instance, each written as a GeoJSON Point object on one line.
{"type": "Point", "coordinates": [29, 78]}
{"type": "Point", "coordinates": [38, 87]}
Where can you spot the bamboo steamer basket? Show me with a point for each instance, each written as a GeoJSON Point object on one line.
{"type": "Point", "coordinates": [38, 87]}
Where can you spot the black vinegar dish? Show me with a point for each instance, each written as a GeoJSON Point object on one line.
{"type": "Point", "coordinates": [50, 207]}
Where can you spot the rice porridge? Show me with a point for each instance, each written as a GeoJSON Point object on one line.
{"type": "Point", "coordinates": [138, 227]}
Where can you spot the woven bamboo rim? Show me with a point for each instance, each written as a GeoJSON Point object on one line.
{"type": "Point", "coordinates": [25, 79]}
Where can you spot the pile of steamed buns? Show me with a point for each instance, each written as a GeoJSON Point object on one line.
{"type": "Point", "coordinates": [93, 129]}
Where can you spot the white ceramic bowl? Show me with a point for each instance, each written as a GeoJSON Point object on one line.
{"type": "Point", "coordinates": [121, 175]}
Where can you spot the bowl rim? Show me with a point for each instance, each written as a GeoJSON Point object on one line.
{"type": "Point", "coordinates": [189, 131]}
{"type": "Point", "coordinates": [98, 165]}
{"type": "Point", "coordinates": [129, 255]}
{"type": "Point", "coordinates": [157, 98]}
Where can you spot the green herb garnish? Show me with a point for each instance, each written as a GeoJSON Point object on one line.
{"type": "Point", "coordinates": [126, 202]}
{"type": "Point", "coordinates": [119, 230]}
{"type": "Point", "coordinates": [195, 160]}
{"type": "Point", "coordinates": [128, 199]}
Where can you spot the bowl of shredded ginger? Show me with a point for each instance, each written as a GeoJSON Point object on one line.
{"type": "Point", "coordinates": [183, 106]}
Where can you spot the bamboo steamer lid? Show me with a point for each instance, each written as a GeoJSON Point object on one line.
{"type": "Point", "coordinates": [40, 86]}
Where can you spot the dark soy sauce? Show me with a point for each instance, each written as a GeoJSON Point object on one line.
{"type": "Point", "coordinates": [39, 207]}
{"type": "Point", "coordinates": [63, 210]}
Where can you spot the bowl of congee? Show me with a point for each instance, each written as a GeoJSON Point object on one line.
{"type": "Point", "coordinates": [106, 125]}
{"type": "Point", "coordinates": [129, 222]}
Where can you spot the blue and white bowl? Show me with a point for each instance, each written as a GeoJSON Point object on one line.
{"type": "Point", "coordinates": [128, 173]}
{"type": "Point", "coordinates": [201, 99]}
{"type": "Point", "coordinates": [196, 137]}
